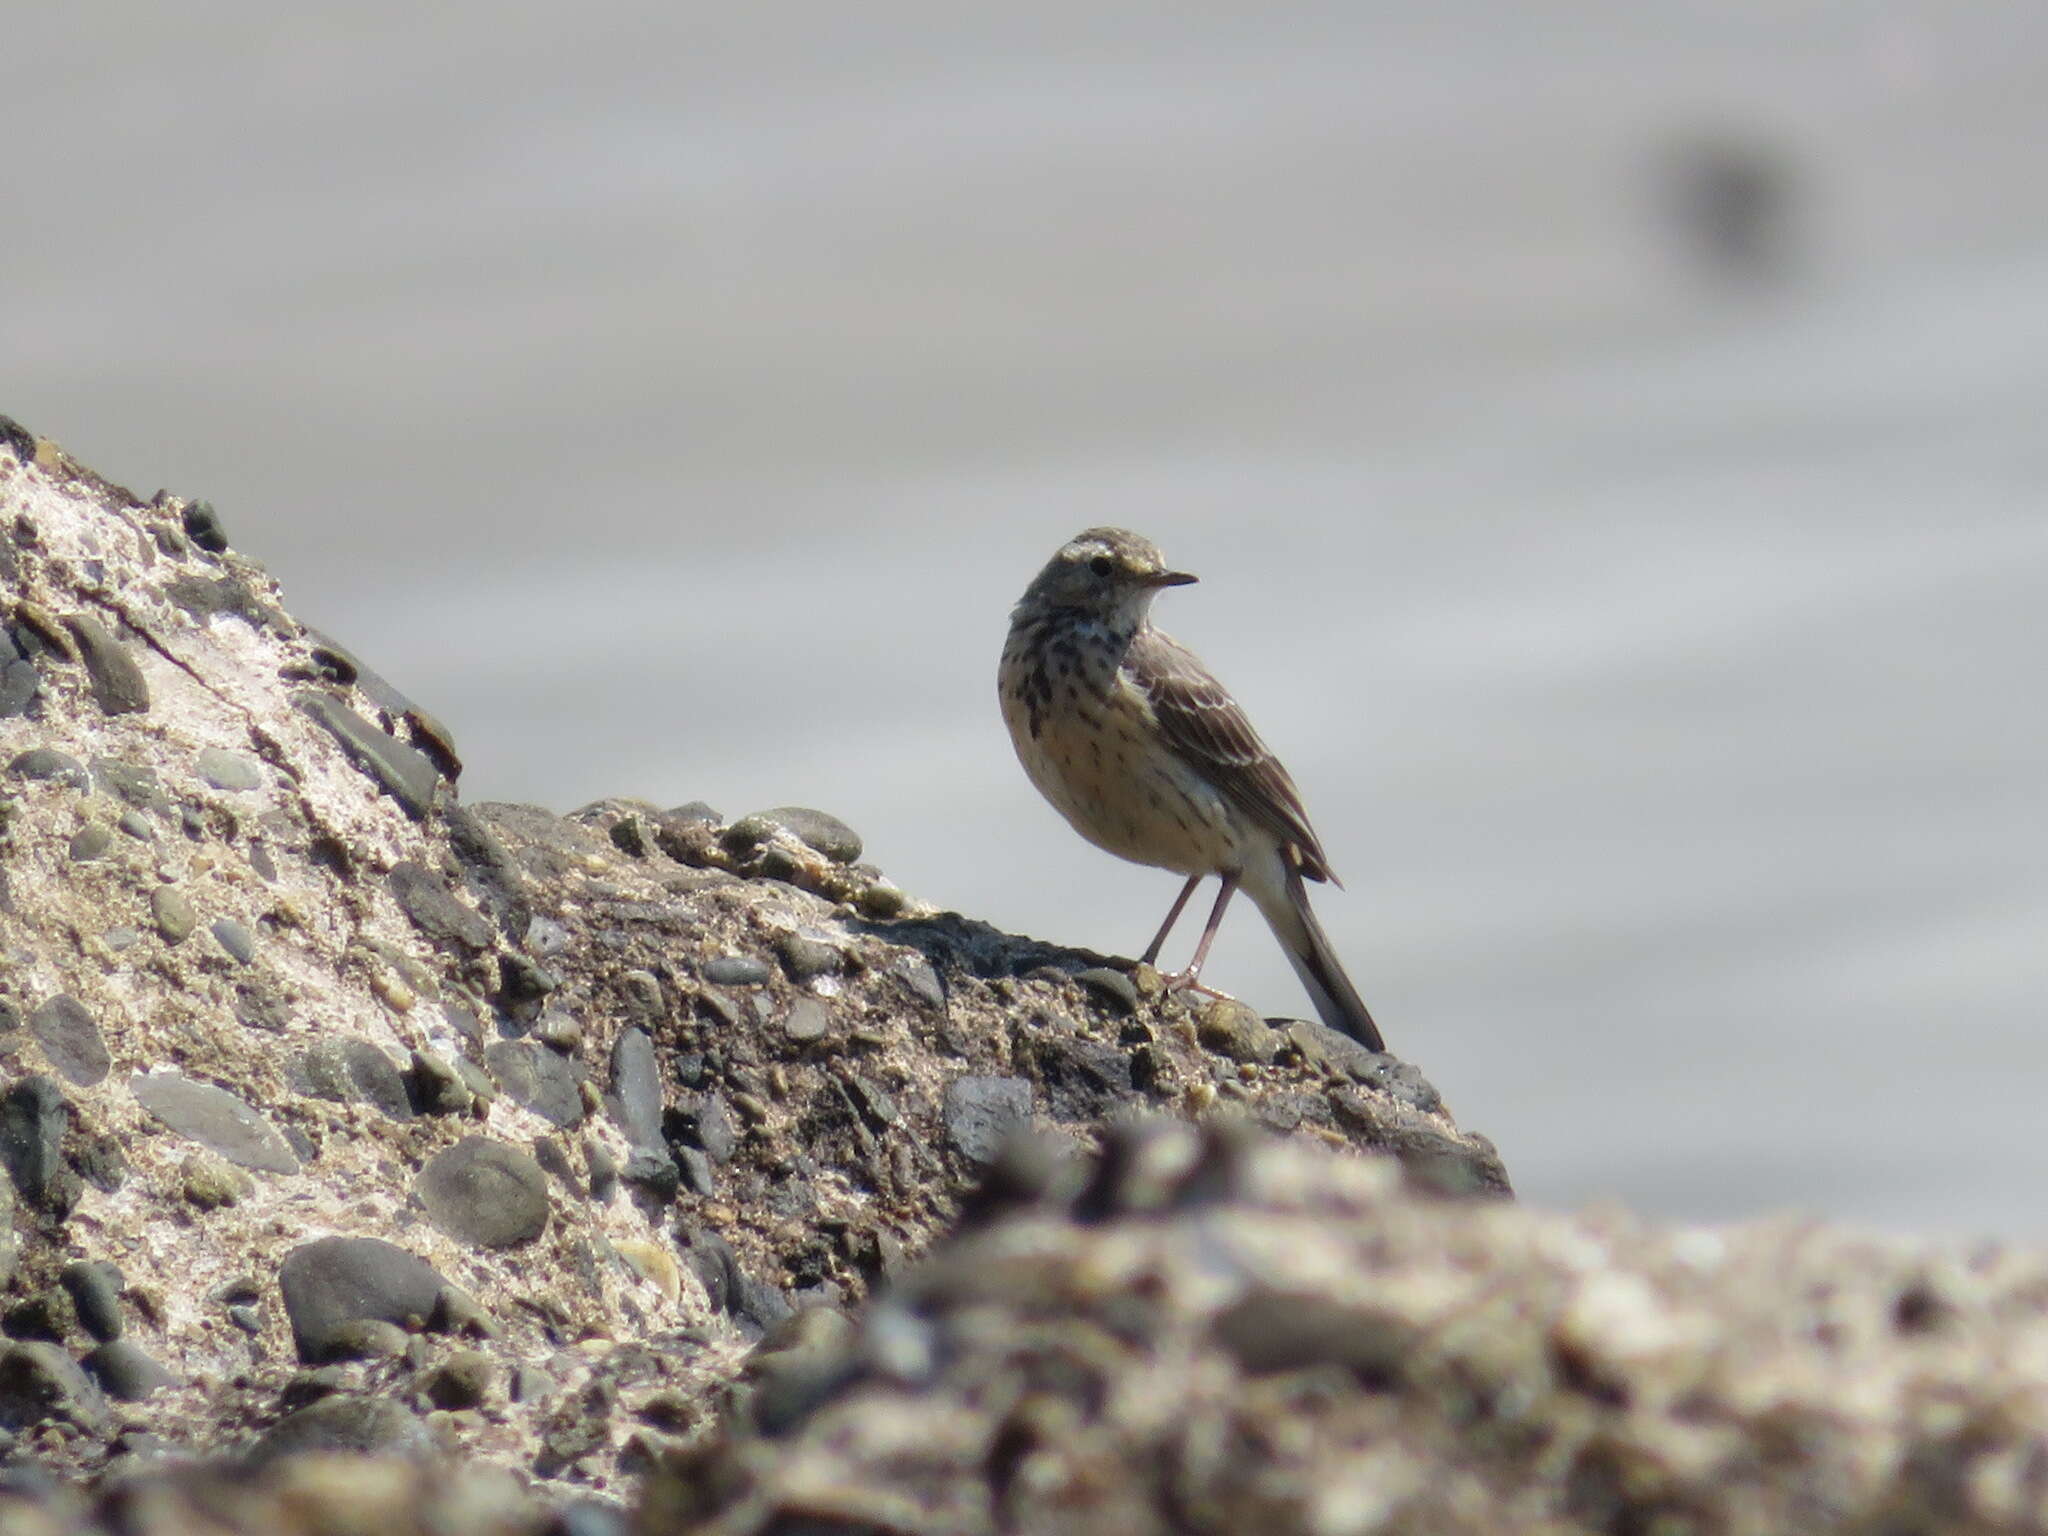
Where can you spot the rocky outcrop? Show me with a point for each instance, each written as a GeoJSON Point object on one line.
{"type": "Point", "coordinates": [341, 1115]}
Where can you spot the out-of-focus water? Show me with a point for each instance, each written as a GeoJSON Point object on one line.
{"type": "Point", "coordinates": [675, 400]}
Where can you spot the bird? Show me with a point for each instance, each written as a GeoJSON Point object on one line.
{"type": "Point", "coordinates": [1149, 757]}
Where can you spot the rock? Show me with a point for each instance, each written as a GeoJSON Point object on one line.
{"type": "Point", "coordinates": [224, 770]}
{"type": "Point", "coordinates": [236, 939]}
{"type": "Point", "coordinates": [33, 1119]}
{"type": "Point", "coordinates": [210, 1182]}
{"type": "Point", "coordinates": [71, 1039]}
{"type": "Point", "coordinates": [735, 971]}
{"type": "Point", "coordinates": [336, 1280]}
{"type": "Point", "coordinates": [463, 1380]}
{"type": "Point", "coordinates": [40, 1383]}
{"type": "Point", "coordinates": [48, 765]}
{"type": "Point", "coordinates": [1111, 987]}
{"type": "Point", "coordinates": [216, 1119]}
{"type": "Point", "coordinates": [118, 686]}
{"type": "Point", "coordinates": [125, 1372]}
{"type": "Point", "coordinates": [714, 1128]}
{"type": "Point", "coordinates": [357, 1426]}
{"type": "Point", "coordinates": [89, 843]}
{"type": "Point", "coordinates": [402, 772]}
{"type": "Point", "coordinates": [485, 1193]}
{"type": "Point", "coordinates": [202, 527]}
{"type": "Point", "coordinates": [1228, 1026]}
{"type": "Point", "coordinates": [822, 832]}
{"type": "Point", "coordinates": [537, 1079]}
{"type": "Point", "coordinates": [19, 684]}
{"type": "Point", "coordinates": [95, 1291]}
{"type": "Point", "coordinates": [923, 981]}
{"type": "Point", "coordinates": [806, 959]}
{"type": "Point", "coordinates": [807, 1021]}
{"type": "Point", "coordinates": [172, 913]}
{"type": "Point", "coordinates": [434, 911]}
{"type": "Point", "coordinates": [981, 1112]}
{"type": "Point", "coordinates": [343, 1070]}
{"type": "Point", "coordinates": [636, 1088]}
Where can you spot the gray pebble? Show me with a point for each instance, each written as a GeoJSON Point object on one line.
{"type": "Point", "coordinates": [216, 1119]}
{"type": "Point", "coordinates": [172, 913]}
{"type": "Point", "coordinates": [402, 772]}
{"type": "Point", "coordinates": [736, 971]}
{"type": "Point", "coordinates": [137, 785]}
{"type": "Point", "coordinates": [224, 770]}
{"type": "Point", "coordinates": [118, 686]}
{"type": "Point", "coordinates": [437, 1086]}
{"type": "Point", "coordinates": [1228, 1026]}
{"type": "Point", "coordinates": [43, 1382]}
{"type": "Point", "coordinates": [71, 1039]}
{"type": "Point", "coordinates": [47, 763]}
{"type": "Point", "coordinates": [89, 842]}
{"type": "Point", "coordinates": [808, 1020]}
{"type": "Point", "coordinates": [1113, 987]}
{"type": "Point", "coordinates": [33, 1118]}
{"type": "Point", "coordinates": [137, 826]}
{"type": "Point", "coordinates": [337, 1280]}
{"type": "Point", "coordinates": [694, 811]}
{"type": "Point", "coordinates": [537, 1078]}
{"type": "Point", "coordinates": [981, 1112]}
{"type": "Point", "coordinates": [560, 1031]}
{"type": "Point", "coordinates": [343, 1070]}
{"type": "Point", "coordinates": [485, 1193]}
{"type": "Point", "coordinates": [361, 1426]}
{"type": "Point", "coordinates": [806, 959]}
{"type": "Point", "coordinates": [125, 1373]}
{"type": "Point", "coordinates": [118, 939]}
{"type": "Point", "coordinates": [365, 1338]}
{"type": "Point", "coordinates": [463, 1380]}
{"type": "Point", "coordinates": [817, 829]}
{"type": "Point", "coordinates": [716, 1132]}
{"type": "Point", "coordinates": [236, 939]}
{"type": "Point", "coordinates": [435, 911]}
{"type": "Point", "coordinates": [95, 1290]}
{"type": "Point", "coordinates": [19, 685]}
{"type": "Point", "coordinates": [247, 1317]}
{"type": "Point", "coordinates": [202, 527]}
{"type": "Point", "coordinates": [636, 1088]}
{"type": "Point", "coordinates": [697, 1173]}
{"type": "Point", "coordinates": [923, 981]}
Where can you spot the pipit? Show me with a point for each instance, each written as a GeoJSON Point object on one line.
{"type": "Point", "coordinates": [1148, 756]}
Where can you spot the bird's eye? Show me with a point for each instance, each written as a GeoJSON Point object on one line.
{"type": "Point", "coordinates": [1100, 565]}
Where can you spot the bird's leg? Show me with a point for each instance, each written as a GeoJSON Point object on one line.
{"type": "Point", "coordinates": [1191, 977]}
{"type": "Point", "coordinates": [1172, 916]}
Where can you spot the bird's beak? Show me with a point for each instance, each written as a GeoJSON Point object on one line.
{"type": "Point", "coordinates": [1170, 579]}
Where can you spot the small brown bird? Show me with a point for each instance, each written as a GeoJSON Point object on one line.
{"type": "Point", "coordinates": [1149, 757]}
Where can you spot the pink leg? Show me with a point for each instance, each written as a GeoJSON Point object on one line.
{"type": "Point", "coordinates": [1173, 916]}
{"type": "Point", "coordinates": [1191, 977]}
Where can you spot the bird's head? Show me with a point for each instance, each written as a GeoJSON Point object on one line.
{"type": "Point", "coordinates": [1108, 574]}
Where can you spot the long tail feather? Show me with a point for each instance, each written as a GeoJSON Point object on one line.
{"type": "Point", "coordinates": [1307, 947]}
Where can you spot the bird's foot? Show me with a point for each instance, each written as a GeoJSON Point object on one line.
{"type": "Point", "coordinates": [1188, 981]}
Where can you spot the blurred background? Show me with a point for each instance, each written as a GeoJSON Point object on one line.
{"type": "Point", "coordinates": [1610, 433]}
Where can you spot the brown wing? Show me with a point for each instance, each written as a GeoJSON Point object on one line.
{"type": "Point", "coordinates": [1199, 716]}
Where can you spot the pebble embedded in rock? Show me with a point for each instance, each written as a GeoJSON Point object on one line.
{"type": "Point", "coordinates": [89, 842]}
{"type": "Point", "coordinates": [225, 770]}
{"type": "Point", "coordinates": [715, 1130]}
{"type": "Point", "coordinates": [118, 686]}
{"type": "Point", "coordinates": [47, 763]}
{"type": "Point", "coordinates": [1112, 987]}
{"type": "Point", "coordinates": [463, 1380]}
{"type": "Point", "coordinates": [236, 939]}
{"type": "Point", "coordinates": [33, 1118]}
{"type": "Point", "coordinates": [823, 832]}
{"type": "Point", "coordinates": [335, 1280]}
{"type": "Point", "coordinates": [348, 1069]}
{"type": "Point", "coordinates": [434, 910]}
{"type": "Point", "coordinates": [923, 981]}
{"type": "Point", "coordinates": [808, 1020]}
{"type": "Point", "coordinates": [358, 1426]}
{"type": "Point", "coordinates": [202, 526]}
{"type": "Point", "coordinates": [981, 1112]}
{"type": "Point", "coordinates": [216, 1119]}
{"type": "Point", "coordinates": [1228, 1026]}
{"type": "Point", "coordinates": [736, 971]}
{"type": "Point", "coordinates": [210, 1182]}
{"type": "Point", "coordinates": [125, 1372]}
{"type": "Point", "coordinates": [537, 1079]}
{"type": "Point", "coordinates": [486, 1193]}
{"type": "Point", "coordinates": [137, 826]}
{"type": "Point", "coordinates": [19, 684]}
{"type": "Point", "coordinates": [171, 911]}
{"type": "Point", "coordinates": [402, 772]}
{"type": "Point", "coordinates": [71, 1039]}
{"type": "Point", "coordinates": [636, 1088]}
{"type": "Point", "coordinates": [41, 1381]}
{"type": "Point", "coordinates": [95, 1290]}
{"type": "Point", "coordinates": [806, 959]}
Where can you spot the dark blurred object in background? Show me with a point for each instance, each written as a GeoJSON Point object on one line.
{"type": "Point", "coordinates": [1733, 202]}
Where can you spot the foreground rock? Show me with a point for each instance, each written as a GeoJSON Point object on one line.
{"type": "Point", "coordinates": [340, 1115]}
{"type": "Point", "coordinates": [1204, 1333]}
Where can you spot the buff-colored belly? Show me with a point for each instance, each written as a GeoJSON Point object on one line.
{"type": "Point", "coordinates": [1124, 793]}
